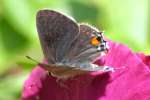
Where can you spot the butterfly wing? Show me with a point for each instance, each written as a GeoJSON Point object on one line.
{"type": "Point", "coordinates": [83, 50]}
{"type": "Point", "coordinates": [66, 45]}
{"type": "Point", "coordinates": [83, 53]}
{"type": "Point", "coordinates": [56, 33]}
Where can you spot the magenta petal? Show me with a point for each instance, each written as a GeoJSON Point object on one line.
{"type": "Point", "coordinates": [33, 84]}
{"type": "Point", "coordinates": [129, 83]}
{"type": "Point", "coordinates": [144, 58]}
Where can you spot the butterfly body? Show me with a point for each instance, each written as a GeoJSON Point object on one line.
{"type": "Point", "coordinates": [69, 48]}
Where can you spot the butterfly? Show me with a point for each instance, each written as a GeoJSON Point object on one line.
{"type": "Point", "coordinates": [69, 48]}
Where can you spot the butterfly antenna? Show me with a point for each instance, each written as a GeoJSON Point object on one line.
{"type": "Point", "coordinates": [112, 69]}
{"type": "Point", "coordinates": [32, 59]}
{"type": "Point", "coordinates": [118, 68]}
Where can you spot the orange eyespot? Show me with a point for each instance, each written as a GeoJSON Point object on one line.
{"type": "Point", "coordinates": [94, 41]}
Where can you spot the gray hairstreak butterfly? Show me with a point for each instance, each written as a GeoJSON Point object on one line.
{"type": "Point", "coordinates": [68, 47]}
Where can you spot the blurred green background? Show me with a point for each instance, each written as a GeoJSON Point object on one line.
{"type": "Point", "coordinates": [124, 21]}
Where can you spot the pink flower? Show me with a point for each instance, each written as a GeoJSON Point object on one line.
{"type": "Point", "coordinates": [129, 83]}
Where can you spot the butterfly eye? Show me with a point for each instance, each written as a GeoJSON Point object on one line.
{"type": "Point", "coordinates": [95, 41]}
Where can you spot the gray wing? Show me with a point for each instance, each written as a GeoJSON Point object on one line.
{"type": "Point", "coordinates": [83, 53]}
{"type": "Point", "coordinates": [83, 50]}
{"type": "Point", "coordinates": [56, 33]}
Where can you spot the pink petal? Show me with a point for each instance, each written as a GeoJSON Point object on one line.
{"type": "Point", "coordinates": [144, 58]}
{"type": "Point", "coordinates": [129, 83]}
